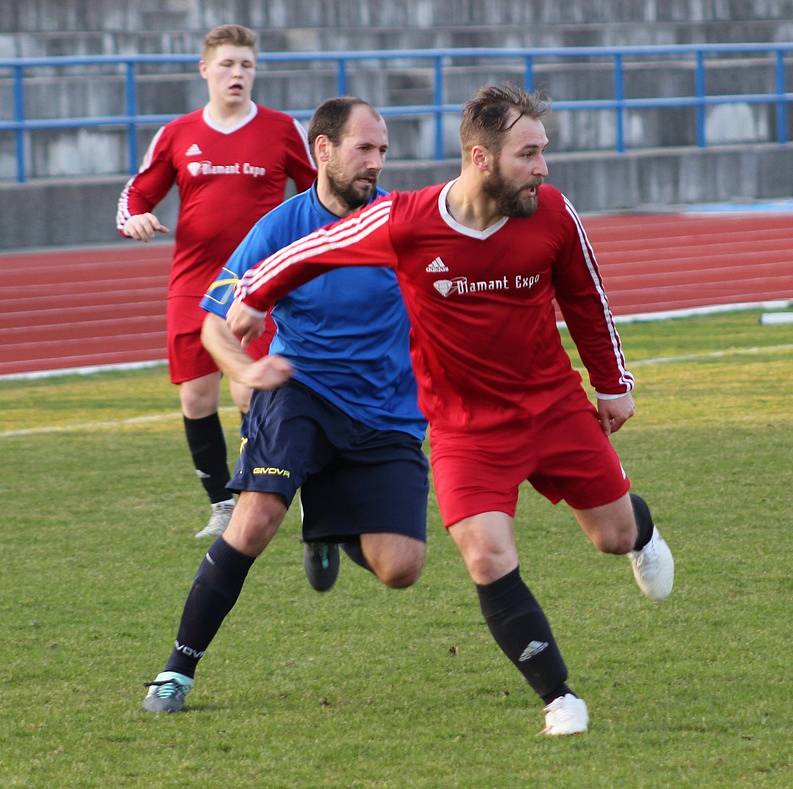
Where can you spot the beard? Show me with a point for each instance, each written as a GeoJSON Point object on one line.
{"type": "Point", "coordinates": [511, 200]}
{"type": "Point", "coordinates": [346, 190]}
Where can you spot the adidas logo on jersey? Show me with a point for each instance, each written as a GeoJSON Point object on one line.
{"type": "Point", "coordinates": [436, 266]}
{"type": "Point", "coordinates": [193, 150]}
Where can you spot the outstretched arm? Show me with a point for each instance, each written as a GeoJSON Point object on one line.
{"type": "Point", "coordinates": [269, 372]}
{"type": "Point", "coordinates": [361, 239]}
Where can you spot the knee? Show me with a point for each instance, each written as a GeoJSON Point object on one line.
{"type": "Point", "coordinates": [252, 527]}
{"type": "Point", "coordinates": [486, 565]}
{"type": "Point", "coordinates": [400, 574]}
{"type": "Point", "coordinates": [616, 541]}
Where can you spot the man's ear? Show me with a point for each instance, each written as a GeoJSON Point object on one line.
{"type": "Point", "coordinates": [322, 148]}
{"type": "Point", "coordinates": [481, 158]}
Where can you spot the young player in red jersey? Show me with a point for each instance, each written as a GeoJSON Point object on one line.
{"type": "Point", "coordinates": [230, 161]}
{"type": "Point", "coordinates": [480, 261]}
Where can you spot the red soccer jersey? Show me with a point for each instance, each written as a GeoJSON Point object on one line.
{"type": "Point", "coordinates": [227, 180]}
{"type": "Point", "coordinates": [484, 342]}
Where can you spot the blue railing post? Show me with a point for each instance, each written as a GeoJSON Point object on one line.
{"type": "Point", "coordinates": [699, 90]}
{"type": "Point", "coordinates": [341, 77]}
{"type": "Point", "coordinates": [19, 117]}
{"type": "Point", "coordinates": [437, 59]}
{"type": "Point", "coordinates": [438, 103]}
{"type": "Point", "coordinates": [619, 108]}
{"type": "Point", "coordinates": [132, 112]}
{"type": "Point", "coordinates": [781, 107]}
{"type": "Point", "coordinates": [528, 74]}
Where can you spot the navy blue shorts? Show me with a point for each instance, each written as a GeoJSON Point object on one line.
{"type": "Point", "coordinates": [353, 479]}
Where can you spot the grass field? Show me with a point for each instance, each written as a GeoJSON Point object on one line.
{"type": "Point", "coordinates": [369, 687]}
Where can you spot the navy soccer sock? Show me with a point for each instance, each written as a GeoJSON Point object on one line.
{"type": "Point", "coordinates": [215, 590]}
{"type": "Point", "coordinates": [207, 445]}
{"type": "Point", "coordinates": [521, 630]}
{"type": "Point", "coordinates": [644, 521]}
{"type": "Point", "coordinates": [355, 552]}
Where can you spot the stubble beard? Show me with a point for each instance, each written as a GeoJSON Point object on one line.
{"type": "Point", "coordinates": [508, 199]}
{"type": "Point", "coordinates": [352, 196]}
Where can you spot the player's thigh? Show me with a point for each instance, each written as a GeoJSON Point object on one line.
{"type": "Point", "coordinates": [394, 555]}
{"type": "Point", "coordinates": [388, 494]}
{"type": "Point", "coordinates": [187, 357]}
{"type": "Point", "coordinates": [283, 444]}
{"type": "Point", "coordinates": [576, 461]}
{"type": "Point", "coordinates": [486, 542]}
{"type": "Point", "coordinates": [241, 395]}
{"type": "Point", "coordinates": [475, 476]}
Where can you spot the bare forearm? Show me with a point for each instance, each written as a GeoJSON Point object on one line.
{"type": "Point", "coordinates": [224, 347]}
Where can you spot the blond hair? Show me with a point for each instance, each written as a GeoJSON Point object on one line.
{"type": "Point", "coordinates": [234, 35]}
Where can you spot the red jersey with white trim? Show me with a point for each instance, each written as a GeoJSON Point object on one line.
{"type": "Point", "coordinates": [227, 179]}
{"type": "Point", "coordinates": [484, 342]}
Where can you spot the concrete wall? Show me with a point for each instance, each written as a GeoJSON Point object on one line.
{"type": "Point", "coordinates": [104, 151]}
{"type": "Point", "coordinates": [77, 174]}
{"type": "Point", "coordinates": [48, 213]}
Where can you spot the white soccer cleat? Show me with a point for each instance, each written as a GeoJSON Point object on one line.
{"type": "Point", "coordinates": [566, 715]}
{"type": "Point", "coordinates": [219, 520]}
{"type": "Point", "coordinates": [654, 568]}
{"type": "Point", "coordinates": [167, 693]}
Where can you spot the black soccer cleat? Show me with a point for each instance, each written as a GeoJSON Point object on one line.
{"type": "Point", "coordinates": [321, 563]}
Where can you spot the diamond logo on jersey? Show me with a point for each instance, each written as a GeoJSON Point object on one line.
{"type": "Point", "coordinates": [194, 168]}
{"type": "Point", "coordinates": [436, 267]}
{"type": "Point", "coordinates": [448, 286]}
{"type": "Point", "coordinates": [193, 150]}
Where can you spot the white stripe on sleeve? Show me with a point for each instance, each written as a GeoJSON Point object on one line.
{"type": "Point", "coordinates": [123, 213]}
{"type": "Point", "coordinates": [341, 235]}
{"type": "Point", "coordinates": [626, 378]}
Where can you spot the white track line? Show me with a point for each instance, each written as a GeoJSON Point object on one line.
{"type": "Point", "coordinates": [110, 424]}
{"type": "Point", "coordinates": [695, 357]}
{"type": "Point", "coordinates": [113, 424]}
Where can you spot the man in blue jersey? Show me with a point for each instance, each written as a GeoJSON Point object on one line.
{"type": "Point", "coordinates": [334, 409]}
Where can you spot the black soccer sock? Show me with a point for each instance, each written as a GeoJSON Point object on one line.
{"type": "Point", "coordinates": [521, 630]}
{"type": "Point", "coordinates": [215, 590]}
{"type": "Point", "coordinates": [644, 521]}
{"type": "Point", "coordinates": [208, 447]}
{"type": "Point", "coordinates": [355, 552]}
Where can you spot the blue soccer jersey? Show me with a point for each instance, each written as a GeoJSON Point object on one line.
{"type": "Point", "coordinates": [345, 332]}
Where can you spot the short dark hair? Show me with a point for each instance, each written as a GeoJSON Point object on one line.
{"type": "Point", "coordinates": [486, 116]}
{"type": "Point", "coordinates": [331, 117]}
{"type": "Point", "coordinates": [235, 35]}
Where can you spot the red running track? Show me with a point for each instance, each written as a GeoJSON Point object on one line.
{"type": "Point", "coordinates": [73, 308]}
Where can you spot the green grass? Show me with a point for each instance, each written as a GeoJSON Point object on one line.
{"type": "Point", "coordinates": [371, 687]}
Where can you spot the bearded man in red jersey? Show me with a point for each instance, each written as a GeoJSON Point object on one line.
{"type": "Point", "coordinates": [231, 161]}
{"type": "Point", "coordinates": [480, 261]}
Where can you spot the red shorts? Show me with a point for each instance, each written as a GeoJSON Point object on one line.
{"type": "Point", "coordinates": [187, 357]}
{"type": "Point", "coordinates": [564, 454]}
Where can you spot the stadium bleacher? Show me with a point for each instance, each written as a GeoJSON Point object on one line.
{"type": "Point", "coordinates": [75, 174]}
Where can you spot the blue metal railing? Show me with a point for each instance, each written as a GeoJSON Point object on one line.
{"type": "Point", "coordinates": [438, 58]}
